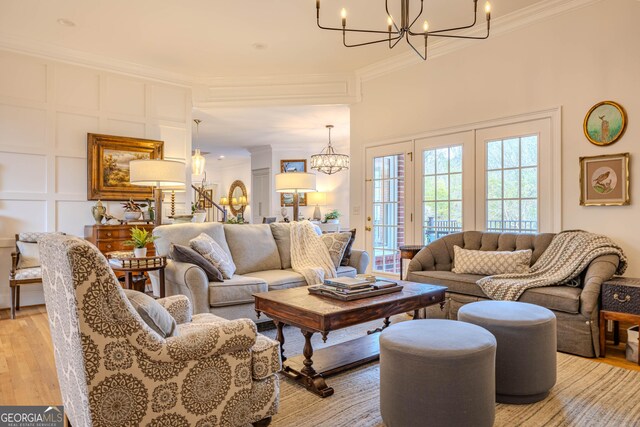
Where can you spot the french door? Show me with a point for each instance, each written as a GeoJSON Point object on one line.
{"type": "Point", "coordinates": [389, 202]}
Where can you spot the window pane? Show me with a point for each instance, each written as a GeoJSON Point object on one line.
{"type": "Point", "coordinates": [377, 168]}
{"type": "Point", "coordinates": [512, 153]}
{"type": "Point", "coordinates": [494, 155]}
{"type": "Point", "coordinates": [455, 164]}
{"type": "Point", "coordinates": [442, 187]}
{"type": "Point", "coordinates": [442, 213]}
{"type": "Point", "coordinates": [456, 214]}
{"type": "Point", "coordinates": [429, 214]}
{"type": "Point", "coordinates": [529, 182]}
{"type": "Point", "coordinates": [529, 150]}
{"type": "Point", "coordinates": [429, 188]}
{"type": "Point", "coordinates": [494, 215]}
{"type": "Point", "coordinates": [377, 191]}
{"type": "Point", "coordinates": [455, 186]}
{"type": "Point", "coordinates": [494, 184]}
{"type": "Point", "coordinates": [442, 160]}
{"type": "Point", "coordinates": [511, 215]}
{"type": "Point", "coordinates": [530, 215]}
{"type": "Point", "coordinates": [511, 183]}
{"type": "Point", "coordinates": [429, 162]}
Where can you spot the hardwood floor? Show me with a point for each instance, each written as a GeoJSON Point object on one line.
{"type": "Point", "coordinates": [27, 368]}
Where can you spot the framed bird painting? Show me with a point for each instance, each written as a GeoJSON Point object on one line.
{"type": "Point", "coordinates": [605, 123]}
{"type": "Point", "coordinates": [604, 180]}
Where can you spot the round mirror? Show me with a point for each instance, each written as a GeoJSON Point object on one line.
{"type": "Point", "coordinates": [237, 197]}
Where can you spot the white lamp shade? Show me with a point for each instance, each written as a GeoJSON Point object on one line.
{"type": "Point", "coordinates": [317, 198]}
{"type": "Point", "coordinates": [157, 173]}
{"type": "Point", "coordinates": [291, 182]}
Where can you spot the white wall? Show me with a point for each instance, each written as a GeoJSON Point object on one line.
{"type": "Point", "coordinates": [46, 110]}
{"type": "Point", "coordinates": [572, 60]}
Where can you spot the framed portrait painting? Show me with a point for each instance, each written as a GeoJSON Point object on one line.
{"type": "Point", "coordinates": [604, 180]}
{"type": "Point", "coordinates": [605, 123]}
{"type": "Point", "coordinates": [108, 160]}
{"type": "Point", "coordinates": [293, 165]}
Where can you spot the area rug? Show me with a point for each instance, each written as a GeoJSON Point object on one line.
{"type": "Point", "coordinates": [587, 393]}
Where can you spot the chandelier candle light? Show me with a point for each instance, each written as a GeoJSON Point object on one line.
{"type": "Point", "coordinates": [328, 161]}
{"type": "Point", "coordinates": [397, 31]}
{"type": "Point", "coordinates": [197, 160]}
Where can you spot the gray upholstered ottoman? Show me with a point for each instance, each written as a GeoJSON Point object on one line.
{"type": "Point", "coordinates": [526, 356]}
{"type": "Point", "coordinates": [437, 373]}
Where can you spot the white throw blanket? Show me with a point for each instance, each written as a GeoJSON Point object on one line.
{"type": "Point", "coordinates": [309, 255]}
{"type": "Point", "coordinates": [569, 253]}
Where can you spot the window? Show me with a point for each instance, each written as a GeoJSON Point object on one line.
{"type": "Point", "coordinates": [512, 184]}
{"type": "Point", "coordinates": [442, 192]}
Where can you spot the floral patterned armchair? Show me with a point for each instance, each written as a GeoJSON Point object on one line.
{"type": "Point", "coordinates": [116, 371]}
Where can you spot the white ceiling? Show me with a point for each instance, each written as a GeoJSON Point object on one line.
{"type": "Point", "coordinates": [214, 38]}
{"type": "Point", "coordinates": [201, 39]}
{"type": "Point", "coordinates": [232, 131]}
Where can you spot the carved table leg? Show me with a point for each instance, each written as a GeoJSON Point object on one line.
{"type": "Point", "coordinates": [308, 353]}
{"type": "Point", "coordinates": [385, 325]}
{"type": "Point", "coordinates": [280, 338]}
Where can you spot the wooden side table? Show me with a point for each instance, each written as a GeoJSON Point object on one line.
{"type": "Point", "coordinates": [620, 302]}
{"type": "Point", "coordinates": [128, 266]}
{"type": "Point", "coordinates": [408, 252]}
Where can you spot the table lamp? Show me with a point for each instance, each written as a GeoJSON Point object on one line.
{"type": "Point", "coordinates": [174, 190]}
{"type": "Point", "coordinates": [158, 174]}
{"type": "Point", "coordinates": [296, 183]}
{"type": "Point", "coordinates": [317, 198]}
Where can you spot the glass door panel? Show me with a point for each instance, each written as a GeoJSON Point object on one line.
{"type": "Point", "coordinates": [388, 217]}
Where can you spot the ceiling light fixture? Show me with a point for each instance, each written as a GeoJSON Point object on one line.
{"type": "Point", "coordinates": [328, 161]}
{"type": "Point", "coordinates": [397, 31]}
{"type": "Point", "coordinates": [197, 160]}
{"type": "Point", "coordinates": [66, 22]}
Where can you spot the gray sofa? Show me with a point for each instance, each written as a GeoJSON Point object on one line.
{"type": "Point", "coordinates": [262, 256]}
{"type": "Point", "coordinates": [576, 308]}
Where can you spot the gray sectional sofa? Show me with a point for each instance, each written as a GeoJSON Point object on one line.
{"type": "Point", "coordinates": [576, 308]}
{"type": "Point", "coordinates": [262, 256]}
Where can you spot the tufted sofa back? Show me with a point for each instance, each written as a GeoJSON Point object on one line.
{"type": "Point", "coordinates": [438, 255]}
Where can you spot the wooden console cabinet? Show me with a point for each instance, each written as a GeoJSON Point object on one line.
{"type": "Point", "coordinates": [109, 238]}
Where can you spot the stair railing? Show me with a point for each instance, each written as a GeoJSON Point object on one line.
{"type": "Point", "coordinates": [203, 195]}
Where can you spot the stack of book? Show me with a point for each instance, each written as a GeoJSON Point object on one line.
{"type": "Point", "coordinates": [348, 288]}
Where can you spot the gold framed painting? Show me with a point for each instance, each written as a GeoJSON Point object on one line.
{"type": "Point", "coordinates": [108, 158]}
{"type": "Point", "coordinates": [293, 165]}
{"type": "Point", "coordinates": [604, 180]}
{"type": "Point", "coordinates": [605, 123]}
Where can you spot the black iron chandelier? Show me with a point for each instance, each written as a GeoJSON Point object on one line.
{"type": "Point", "coordinates": [397, 31]}
{"type": "Point", "coordinates": [328, 161]}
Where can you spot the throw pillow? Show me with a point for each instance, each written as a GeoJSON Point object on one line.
{"type": "Point", "coordinates": [213, 252]}
{"type": "Point", "coordinates": [490, 262]}
{"type": "Point", "coordinates": [346, 258]}
{"type": "Point", "coordinates": [186, 254]}
{"type": "Point", "coordinates": [29, 255]}
{"type": "Point", "coordinates": [154, 315]}
{"type": "Point", "coordinates": [337, 244]}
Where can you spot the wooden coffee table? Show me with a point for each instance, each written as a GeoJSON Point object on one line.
{"type": "Point", "coordinates": [312, 313]}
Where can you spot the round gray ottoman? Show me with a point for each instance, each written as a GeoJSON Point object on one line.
{"type": "Point", "coordinates": [437, 373]}
{"type": "Point", "coordinates": [526, 356]}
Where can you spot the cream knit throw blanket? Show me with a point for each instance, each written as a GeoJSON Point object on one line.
{"type": "Point", "coordinates": [569, 253]}
{"type": "Point", "coordinates": [309, 255]}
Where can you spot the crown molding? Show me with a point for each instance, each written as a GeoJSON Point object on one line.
{"type": "Point", "coordinates": [282, 90]}
{"type": "Point", "coordinates": [502, 25]}
{"type": "Point", "coordinates": [71, 56]}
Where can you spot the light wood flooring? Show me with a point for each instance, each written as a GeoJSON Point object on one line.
{"type": "Point", "coordinates": [27, 369]}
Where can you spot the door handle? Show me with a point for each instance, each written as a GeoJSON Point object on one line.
{"type": "Point", "coordinates": [367, 228]}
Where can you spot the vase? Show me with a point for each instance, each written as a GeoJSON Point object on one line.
{"type": "Point", "coordinates": [140, 252]}
{"type": "Point", "coordinates": [132, 216]}
{"type": "Point", "coordinates": [333, 221]}
{"type": "Point", "coordinates": [199, 216]}
{"type": "Point", "coordinates": [98, 211]}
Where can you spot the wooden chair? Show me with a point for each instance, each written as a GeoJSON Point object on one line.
{"type": "Point", "coordinates": [21, 274]}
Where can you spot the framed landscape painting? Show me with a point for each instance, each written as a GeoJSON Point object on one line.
{"type": "Point", "coordinates": [605, 123]}
{"type": "Point", "coordinates": [108, 160]}
{"type": "Point", "coordinates": [293, 165]}
{"type": "Point", "coordinates": [604, 180]}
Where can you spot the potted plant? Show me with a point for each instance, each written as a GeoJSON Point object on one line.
{"type": "Point", "coordinates": [331, 217]}
{"type": "Point", "coordinates": [132, 210]}
{"type": "Point", "coordinates": [139, 240]}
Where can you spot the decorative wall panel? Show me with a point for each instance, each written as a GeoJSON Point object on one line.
{"type": "Point", "coordinates": [23, 173]}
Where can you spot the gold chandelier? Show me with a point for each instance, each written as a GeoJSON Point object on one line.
{"type": "Point", "coordinates": [328, 161]}
{"type": "Point", "coordinates": [396, 31]}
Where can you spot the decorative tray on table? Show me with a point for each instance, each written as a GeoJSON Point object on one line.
{"type": "Point", "coordinates": [350, 289]}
